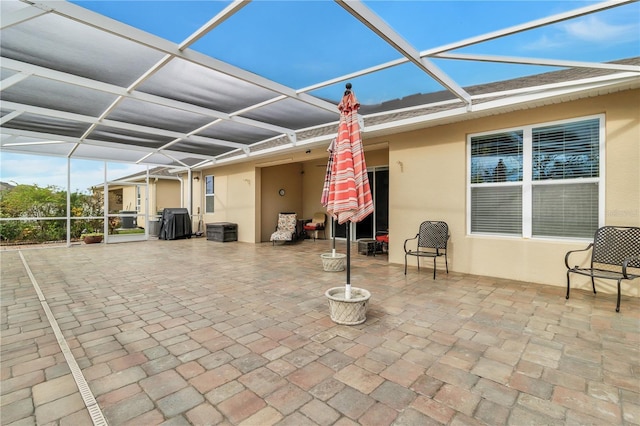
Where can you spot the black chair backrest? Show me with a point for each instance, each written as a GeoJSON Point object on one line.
{"type": "Point", "coordinates": [613, 244]}
{"type": "Point", "coordinates": [433, 235]}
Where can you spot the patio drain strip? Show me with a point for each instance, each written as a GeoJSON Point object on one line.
{"type": "Point", "coordinates": [89, 400]}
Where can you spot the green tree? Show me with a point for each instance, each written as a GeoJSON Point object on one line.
{"type": "Point", "coordinates": [32, 201]}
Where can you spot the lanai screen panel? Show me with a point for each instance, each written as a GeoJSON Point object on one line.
{"type": "Point", "coordinates": [238, 132]}
{"type": "Point", "coordinates": [129, 137]}
{"type": "Point", "coordinates": [58, 96]}
{"type": "Point", "coordinates": [293, 114]}
{"type": "Point", "coordinates": [199, 147]}
{"type": "Point", "coordinates": [217, 78]}
{"type": "Point", "coordinates": [174, 159]}
{"type": "Point", "coordinates": [47, 125]}
{"type": "Point", "coordinates": [34, 146]}
{"type": "Point", "coordinates": [108, 152]}
{"type": "Point", "coordinates": [61, 44]}
{"type": "Point", "coordinates": [198, 85]}
{"type": "Point", "coordinates": [157, 116]}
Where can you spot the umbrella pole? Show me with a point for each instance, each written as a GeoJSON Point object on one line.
{"type": "Point", "coordinates": [333, 237]}
{"type": "Point", "coordinates": [347, 287]}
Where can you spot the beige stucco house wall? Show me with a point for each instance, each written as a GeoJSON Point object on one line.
{"type": "Point", "coordinates": [428, 181]}
{"type": "Point", "coordinates": [163, 193]}
{"type": "Point", "coordinates": [248, 193]}
{"type": "Point", "coordinates": [235, 199]}
{"type": "Point", "coordinates": [428, 170]}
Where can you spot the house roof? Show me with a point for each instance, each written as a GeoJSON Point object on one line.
{"type": "Point", "coordinates": [154, 172]}
{"type": "Point", "coordinates": [77, 83]}
{"type": "Point", "coordinates": [6, 185]}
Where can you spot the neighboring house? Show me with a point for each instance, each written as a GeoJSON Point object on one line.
{"type": "Point", "coordinates": [5, 185]}
{"type": "Point", "coordinates": [128, 194]}
{"type": "Point", "coordinates": [519, 183]}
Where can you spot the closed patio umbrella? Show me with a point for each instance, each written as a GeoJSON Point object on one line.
{"type": "Point", "coordinates": [325, 193]}
{"type": "Point", "coordinates": [349, 195]}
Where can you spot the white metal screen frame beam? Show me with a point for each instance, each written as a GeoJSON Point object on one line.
{"type": "Point", "coordinates": [111, 26]}
{"type": "Point", "coordinates": [382, 29]}
{"type": "Point", "coordinates": [101, 23]}
{"type": "Point", "coordinates": [361, 12]}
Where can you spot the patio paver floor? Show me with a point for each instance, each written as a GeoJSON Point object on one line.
{"type": "Point", "coordinates": [199, 332]}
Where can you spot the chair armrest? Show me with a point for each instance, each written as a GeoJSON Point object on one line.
{"type": "Point", "coordinates": [407, 240]}
{"type": "Point", "coordinates": [566, 256]}
{"type": "Point", "coordinates": [625, 263]}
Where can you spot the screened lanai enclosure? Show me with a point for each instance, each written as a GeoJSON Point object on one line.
{"type": "Point", "coordinates": [189, 85]}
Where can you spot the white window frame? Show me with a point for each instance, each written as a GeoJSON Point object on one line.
{"type": "Point", "coordinates": [212, 195]}
{"type": "Point", "coordinates": [528, 183]}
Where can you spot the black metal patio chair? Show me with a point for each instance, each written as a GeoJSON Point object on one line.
{"type": "Point", "coordinates": [615, 255]}
{"type": "Point", "coordinates": [430, 241]}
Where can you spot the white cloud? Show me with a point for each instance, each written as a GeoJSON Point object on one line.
{"type": "Point", "coordinates": [545, 43]}
{"type": "Point", "coordinates": [586, 30]}
{"type": "Point", "coordinates": [593, 29]}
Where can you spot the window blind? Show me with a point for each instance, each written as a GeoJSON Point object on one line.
{"type": "Point", "coordinates": [565, 210]}
{"type": "Point", "coordinates": [497, 210]}
{"type": "Point", "coordinates": [566, 151]}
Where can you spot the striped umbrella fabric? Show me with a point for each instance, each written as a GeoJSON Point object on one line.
{"type": "Point", "coordinates": [349, 195]}
{"type": "Point", "coordinates": [327, 176]}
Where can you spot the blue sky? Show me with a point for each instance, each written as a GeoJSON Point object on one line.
{"type": "Point", "coordinates": [44, 171]}
{"type": "Point", "coordinates": [297, 43]}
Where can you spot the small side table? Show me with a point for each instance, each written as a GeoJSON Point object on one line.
{"type": "Point", "coordinates": [367, 247]}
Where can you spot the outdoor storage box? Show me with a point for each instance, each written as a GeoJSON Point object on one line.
{"type": "Point", "coordinates": [222, 232]}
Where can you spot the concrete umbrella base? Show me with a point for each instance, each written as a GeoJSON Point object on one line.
{"type": "Point", "coordinates": [348, 311]}
{"type": "Point", "coordinates": [333, 262]}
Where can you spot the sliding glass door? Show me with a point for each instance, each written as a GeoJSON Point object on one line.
{"type": "Point", "coordinates": [379, 220]}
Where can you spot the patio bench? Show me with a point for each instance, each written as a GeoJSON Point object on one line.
{"type": "Point", "coordinates": [615, 255]}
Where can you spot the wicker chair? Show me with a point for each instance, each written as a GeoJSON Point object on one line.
{"type": "Point", "coordinates": [286, 229]}
{"type": "Point", "coordinates": [431, 241]}
{"type": "Point", "coordinates": [316, 224]}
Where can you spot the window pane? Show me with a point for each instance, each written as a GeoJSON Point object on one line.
{"type": "Point", "coordinates": [496, 209]}
{"type": "Point", "coordinates": [209, 204]}
{"type": "Point", "coordinates": [209, 188]}
{"type": "Point", "coordinates": [566, 151]}
{"type": "Point", "coordinates": [565, 210]}
{"type": "Point", "coordinates": [496, 158]}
